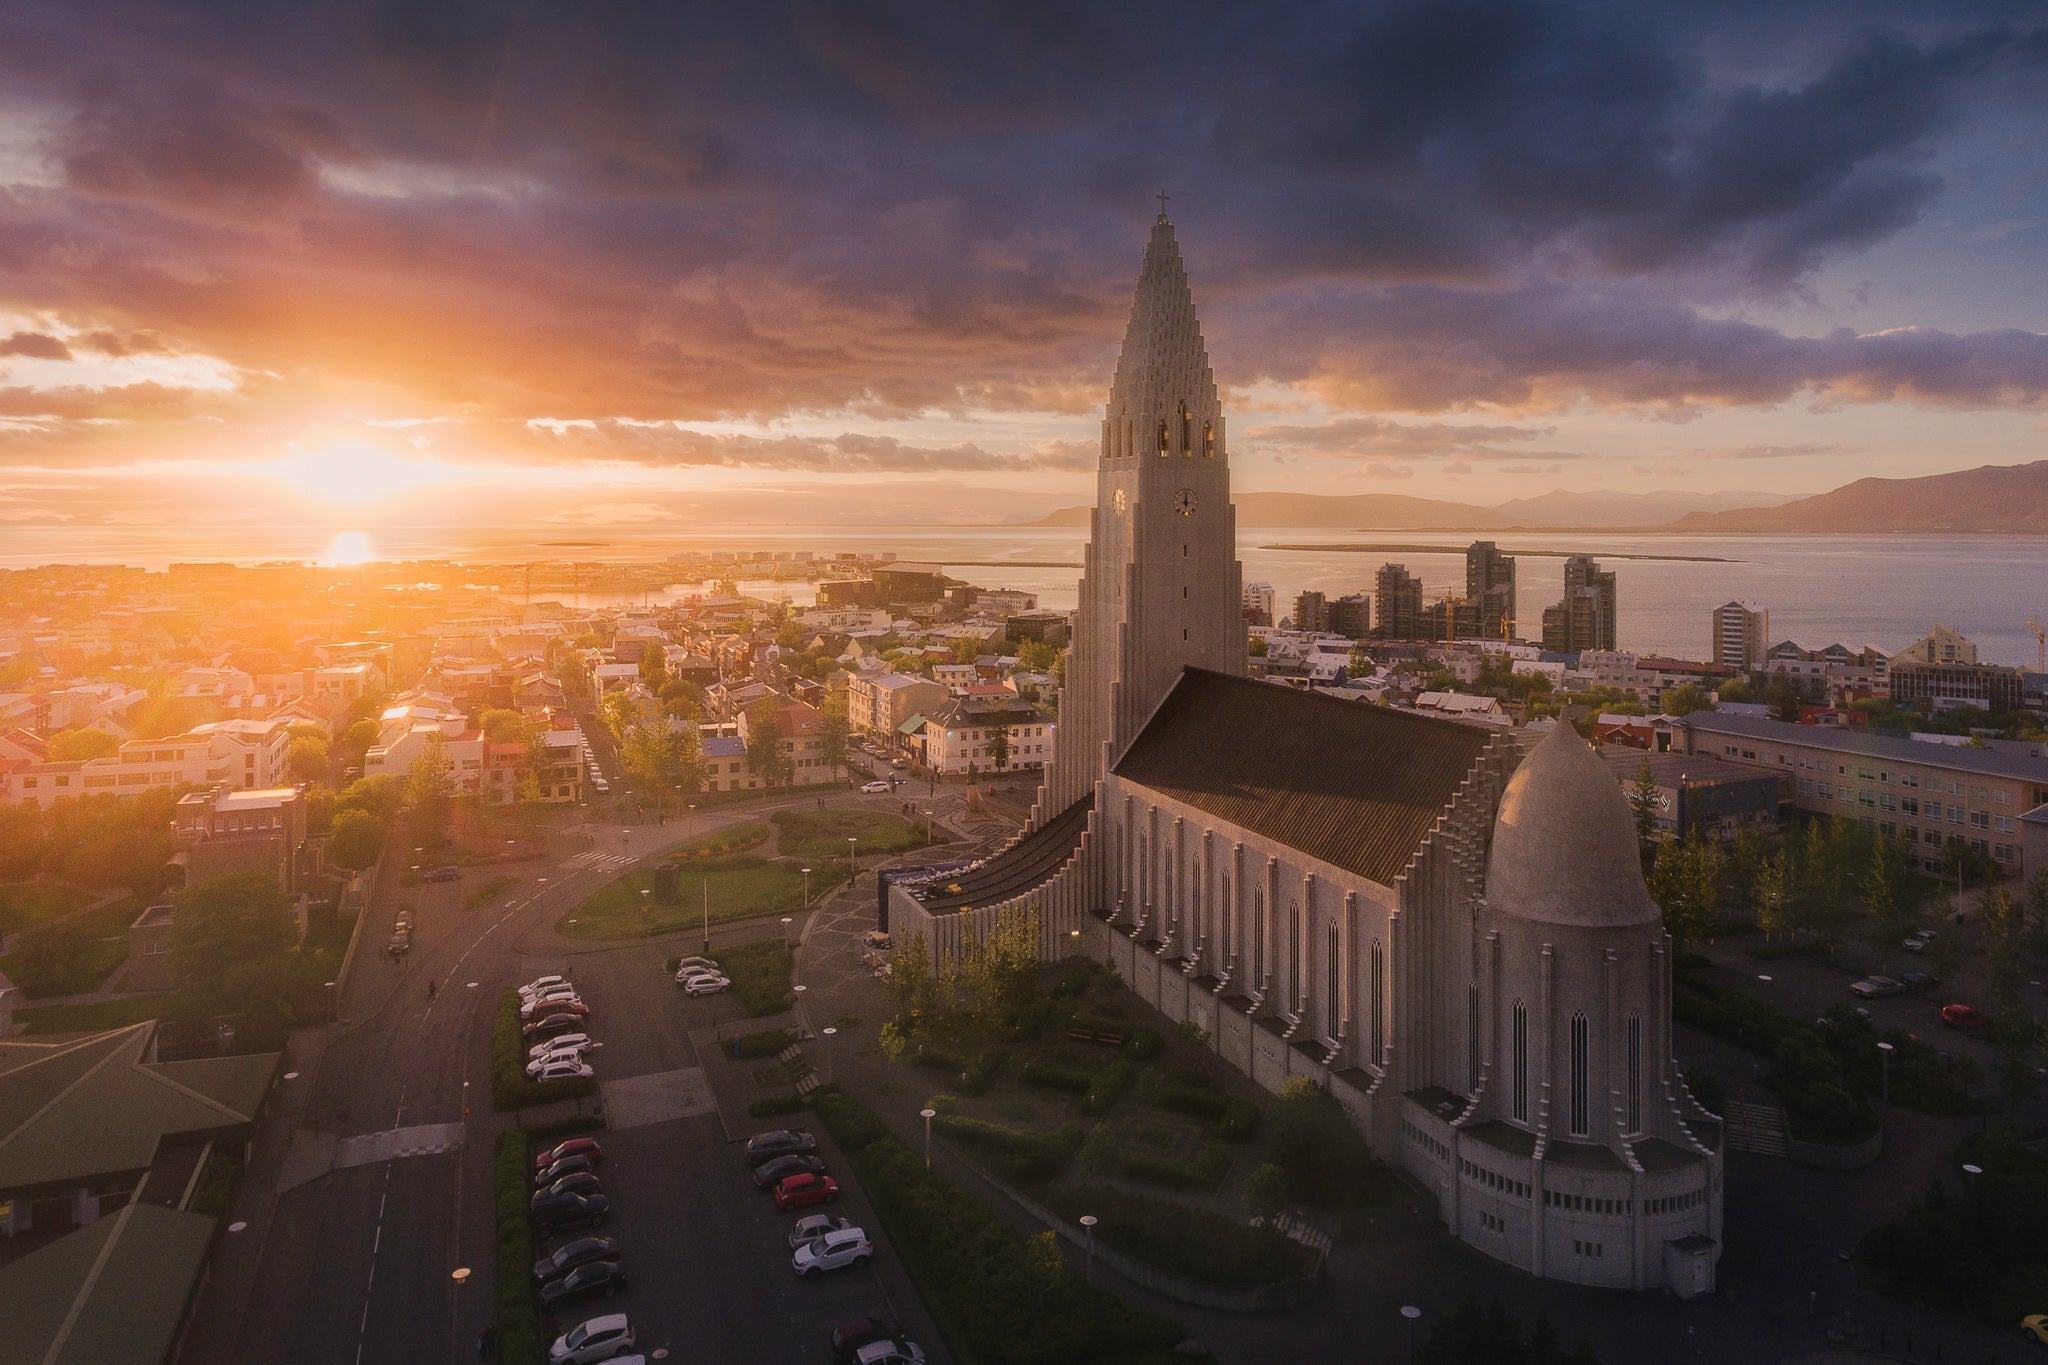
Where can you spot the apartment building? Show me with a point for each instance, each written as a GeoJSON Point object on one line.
{"type": "Point", "coordinates": [1929, 792]}
{"type": "Point", "coordinates": [879, 704]}
{"type": "Point", "coordinates": [958, 736]}
{"type": "Point", "coordinates": [246, 754]}
{"type": "Point", "coordinates": [1740, 634]}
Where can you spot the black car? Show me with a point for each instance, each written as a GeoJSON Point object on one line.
{"type": "Point", "coordinates": [584, 1183]}
{"type": "Point", "coordinates": [568, 1165]}
{"type": "Point", "coordinates": [551, 1025]}
{"type": "Point", "coordinates": [550, 1211]}
{"type": "Point", "coordinates": [1919, 981]}
{"type": "Point", "coordinates": [569, 1255]}
{"type": "Point", "coordinates": [773, 1173]}
{"type": "Point", "coordinates": [591, 1280]}
{"type": "Point", "coordinates": [848, 1337]}
{"type": "Point", "coordinates": [781, 1142]}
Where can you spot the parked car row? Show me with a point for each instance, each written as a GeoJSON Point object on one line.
{"type": "Point", "coordinates": [554, 1021]}
{"type": "Point", "coordinates": [701, 976]}
{"type": "Point", "coordinates": [1963, 1018]}
{"type": "Point", "coordinates": [785, 1161]}
{"type": "Point", "coordinates": [565, 1179]}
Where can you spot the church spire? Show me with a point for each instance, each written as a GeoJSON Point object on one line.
{"type": "Point", "coordinates": [1163, 361]}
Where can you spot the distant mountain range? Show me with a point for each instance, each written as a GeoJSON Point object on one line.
{"type": "Point", "coordinates": [1994, 498]}
{"type": "Point", "coordinates": [2007, 498]}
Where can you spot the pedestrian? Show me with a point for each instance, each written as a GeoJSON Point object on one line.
{"type": "Point", "coordinates": [433, 988]}
{"type": "Point", "coordinates": [487, 1342]}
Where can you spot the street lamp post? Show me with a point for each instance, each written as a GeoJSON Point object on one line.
{"type": "Point", "coordinates": [830, 1032]}
{"type": "Point", "coordinates": [707, 915]}
{"type": "Point", "coordinates": [927, 827]}
{"type": "Point", "coordinates": [1088, 1221]}
{"type": "Point", "coordinates": [1885, 1051]}
{"type": "Point", "coordinates": [1409, 1313]}
{"type": "Point", "coordinates": [645, 910]}
{"type": "Point", "coordinates": [927, 1115]}
{"type": "Point", "coordinates": [852, 865]}
{"type": "Point", "coordinates": [807, 888]}
{"type": "Point", "coordinates": [798, 1008]}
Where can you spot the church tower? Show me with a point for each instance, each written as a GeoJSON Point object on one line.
{"type": "Point", "coordinates": [1160, 580]}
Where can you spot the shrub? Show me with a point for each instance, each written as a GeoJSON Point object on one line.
{"type": "Point", "coordinates": [1110, 1084]}
{"type": "Point", "coordinates": [519, 1335]}
{"type": "Point", "coordinates": [977, 1079]}
{"type": "Point", "coordinates": [1019, 1155]}
{"type": "Point", "coordinates": [1265, 1192]}
{"type": "Point", "coordinates": [763, 1042]}
{"type": "Point", "coordinates": [760, 973]}
{"type": "Point", "coordinates": [852, 1124]}
{"type": "Point", "coordinates": [1205, 1172]}
{"type": "Point", "coordinates": [1057, 1078]}
{"type": "Point", "coordinates": [1072, 985]}
{"type": "Point", "coordinates": [1185, 1240]}
{"type": "Point", "coordinates": [1099, 1151]}
{"type": "Point", "coordinates": [1979, 1252]}
{"type": "Point", "coordinates": [997, 1303]}
{"type": "Point", "coordinates": [937, 1059]}
{"type": "Point", "coordinates": [1202, 1104]}
{"type": "Point", "coordinates": [1326, 1162]}
{"type": "Point", "coordinates": [775, 1108]}
{"type": "Point", "coordinates": [510, 1089]}
{"type": "Point", "coordinates": [1240, 1121]}
{"type": "Point", "coordinates": [1146, 1043]}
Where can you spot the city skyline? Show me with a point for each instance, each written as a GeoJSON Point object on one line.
{"type": "Point", "coordinates": [360, 270]}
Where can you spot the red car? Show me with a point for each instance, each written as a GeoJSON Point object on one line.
{"type": "Point", "coordinates": [1964, 1018]}
{"type": "Point", "coordinates": [580, 1146]}
{"type": "Point", "coordinates": [800, 1190]}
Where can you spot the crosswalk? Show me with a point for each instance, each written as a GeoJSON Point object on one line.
{"type": "Point", "coordinates": [597, 859]}
{"type": "Point", "coordinates": [420, 1139]}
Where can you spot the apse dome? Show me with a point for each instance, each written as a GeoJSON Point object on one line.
{"type": "Point", "coordinates": [1564, 843]}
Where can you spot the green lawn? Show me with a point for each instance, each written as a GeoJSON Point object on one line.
{"type": "Point", "coordinates": [74, 957]}
{"type": "Point", "coordinates": [23, 904]}
{"type": "Point", "coordinates": [738, 888]}
{"type": "Point", "coordinates": [822, 834]}
{"type": "Point", "coordinates": [91, 1018]}
{"type": "Point", "coordinates": [760, 974]}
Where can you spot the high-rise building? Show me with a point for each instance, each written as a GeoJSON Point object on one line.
{"type": "Point", "coordinates": [1490, 587]}
{"type": "Point", "coordinates": [1258, 604]}
{"type": "Point", "coordinates": [1585, 618]}
{"type": "Point", "coordinates": [1311, 611]}
{"type": "Point", "coordinates": [1397, 603]}
{"type": "Point", "coordinates": [1741, 635]}
{"type": "Point", "coordinates": [1352, 616]}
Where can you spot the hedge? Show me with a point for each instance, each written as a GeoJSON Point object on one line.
{"type": "Point", "coordinates": [761, 1042]}
{"type": "Point", "coordinates": [1183, 1239]}
{"type": "Point", "coordinates": [1110, 1084]}
{"type": "Point", "coordinates": [519, 1335]}
{"type": "Point", "coordinates": [510, 1089]}
{"type": "Point", "coordinates": [1206, 1172]}
{"type": "Point", "coordinates": [1047, 1077]}
{"type": "Point", "coordinates": [999, 1302]}
{"type": "Point", "coordinates": [777, 1107]}
{"type": "Point", "coordinates": [977, 1079]}
{"type": "Point", "coordinates": [713, 847]}
{"type": "Point", "coordinates": [554, 1130]}
{"type": "Point", "coordinates": [1018, 1155]}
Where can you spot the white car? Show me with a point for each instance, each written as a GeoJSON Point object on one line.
{"type": "Point", "coordinates": [706, 984]}
{"type": "Point", "coordinates": [540, 984]}
{"type": "Point", "coordinates": [812, 1226]}
{"type": "Point", "coordinates": [561, 1054]}
{"type": "Point", "coordinates": [560, 1044]}
{"type": "Point", "coordinates": [877, 787]}
{"type": "Point", "coordinates": [560, 995]}
{"type": "Point", "coordinates": [566, 1069]}
{"type": "Point", "coordinates": [890, 1353]}
{"type": "Point", "coordinates": [691, 966]}
{"type": "Point", "coordinates": [602, 1338]}
{"type": "Point", "coordinates": [847, 1246]}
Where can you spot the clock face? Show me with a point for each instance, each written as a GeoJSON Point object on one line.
{"type": "Point", "coordinates": [1184, 502]}
{"type": "Point", "coordinates": [1118, 501]}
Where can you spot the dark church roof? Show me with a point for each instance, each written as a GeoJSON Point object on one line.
{"type": "Point", "coordinates": [1028, 863]}
{"type": "Point", "coordinates": [1351, 784]}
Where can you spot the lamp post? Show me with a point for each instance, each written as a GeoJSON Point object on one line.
{"type": "Point", "coordinates": [852, 866]}
{"type": "Point", "coordinates": [830, 1032]}
{"type": "Point", "coordinates": [927, 1115]}
{"type": "Point", "coordinates": [927, 827]}
{"type": "Point", "coordinates": [1885, 1052]}
{"type": "Point", "coordinates": [1409, 1313]}
{"type": "Point", "coordinates": [645, 893]}
{"type": "Point", "coordinates": [707, 915]}
{"type": "Point", "coordinates": [1972, 1170]}
{"type": "Point", "coordinates": [1088, 1222]}
{"type": "Point", "coordinates": [798, 1008]}
{"type": "Point", "coordinates": [807, 888]}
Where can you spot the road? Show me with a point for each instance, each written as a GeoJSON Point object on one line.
{"type": "Point", "coordinates": [355, 1263]}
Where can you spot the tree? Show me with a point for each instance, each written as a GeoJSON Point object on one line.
{"type": "Point", "coordinates": [999, 742]}
{"type": "Point", "coordinates": [767, 747]}
{"type": "Point", "coordinates": [910, 979]}
{"type": "Point", "coordinates": [501, 726]}
{"type": "Point", "coordinates": [1037, 656]}
{"type": "Point", "coordinates": [357, 839]}
{"type": "Point", "coordinates": [1643, 802]}
{"type": "Point", "coordinates": [223, 926]}
{"type": "Point", "coordinates": [2002, 964]}
{"type": "Point", "coordinates": [72, 746]}
{"type": "Point", "coordinates": [1685, 880]}
{"type": "Point", "coordinates": [430, 791]}
{"type": "Point", "coordinates": [2036, 932]}
{"type": "Point", "coordinates": [654, 667]}
{"type": "Point", "coordinates": [308, 759]}
{"type": "Point", "coordinates": [834, 733]}
{"type": "Point", "coordinates": [1771, 894]}
{"type": "Point", "coordinates": [1685, 699]}
{"type": "Point", "coordinates": [1265, 1193]}
{"type": "Point", "coordinates": [353, 742]}
{"type": "Point", "coordinates": [1880, 891]}
{"type": "Point", "coordinates": [616, 711]}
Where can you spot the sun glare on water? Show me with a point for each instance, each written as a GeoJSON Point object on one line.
{"type": "Point", "coordinates": [347, 548]}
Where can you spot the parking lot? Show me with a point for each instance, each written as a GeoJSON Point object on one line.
{"type": "Point", "coordinates": [706, 1253]}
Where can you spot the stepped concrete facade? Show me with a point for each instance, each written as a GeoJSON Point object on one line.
{"type": "Point", "coordinates": [1454, 940]}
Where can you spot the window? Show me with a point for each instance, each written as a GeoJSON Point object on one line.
{"type": "Point", "coordinates": [1519, 1046]}
{"type": "Point", "coordinates": [1379, 986]}
{"type": "Point", "coordinates": [1209, 440]}
{"type": "Point", "coordinates": [1162, 436]}
{"type": "Point", "coordinates": [1187, 445]}
{"type": "Point", "coordinates": [1331, 1014]}
{"type": "Point", "coordinates": [1635, 1072]}
{"type": "Point", "coordinates": [1580, 1116]}
{"type": "Point", "coordinates": [1472, 1036]}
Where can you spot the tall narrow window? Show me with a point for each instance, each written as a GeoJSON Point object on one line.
{"type": "Point", "coordinates": [1518, 1045]}
{"type": "Point", "coordinates": [1259, 938]}
{"type": "Point", "coordinates": [1187, 445]}
{"type": "Point", "coordinates": [1580, 1124]}
{"type": "Point", "coordinates": [1162, 436]}
{"type": "Point", "coordinates": [1209, 440]}
{"type": "Point", "coordinates": [1295, 948]}
{"type": "Point", "coordinates": [1472, 1037]}
{"type": "Point", "coordinates": [1332, 1014]}
{"type": "Point", "coordinates": [1635, 1072]}
{"type": "Point", "coordinates": [1377, 1005]}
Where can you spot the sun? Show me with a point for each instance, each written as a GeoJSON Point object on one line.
{"type": "Point", "coordinates": [355, 473]}
{"type": "Point", "coordinates": [348, 548]}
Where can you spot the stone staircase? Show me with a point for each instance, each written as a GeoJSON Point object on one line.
{"type": "Point", "coordinates": [1758, 1128]}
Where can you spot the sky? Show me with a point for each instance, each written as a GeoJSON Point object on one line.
{"type": "Point", "coordinates": [631, 265]}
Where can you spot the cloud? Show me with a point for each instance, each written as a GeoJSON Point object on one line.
{"type": "Point", "coordinates": [668, 444]}
{"type": "Point", "coordinates": [35, 345]}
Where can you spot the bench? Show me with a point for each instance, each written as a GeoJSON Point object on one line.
{"type": "Point", "coordinates": [1089, 1035]}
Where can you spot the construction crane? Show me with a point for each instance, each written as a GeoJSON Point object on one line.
{"type": "Point", "coordinates": [2040, 647]}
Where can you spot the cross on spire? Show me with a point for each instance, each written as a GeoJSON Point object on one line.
{"type": "Point", "coordinates": [1162, 205]}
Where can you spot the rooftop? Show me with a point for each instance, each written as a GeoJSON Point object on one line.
{"type": "Point", "coordinates": [2027, 767]}
{"type": "Point", "coordinates": [115, 1291]}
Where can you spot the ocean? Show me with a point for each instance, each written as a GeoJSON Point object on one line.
{"type": "Point", "coordinates": [1883, 590]}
